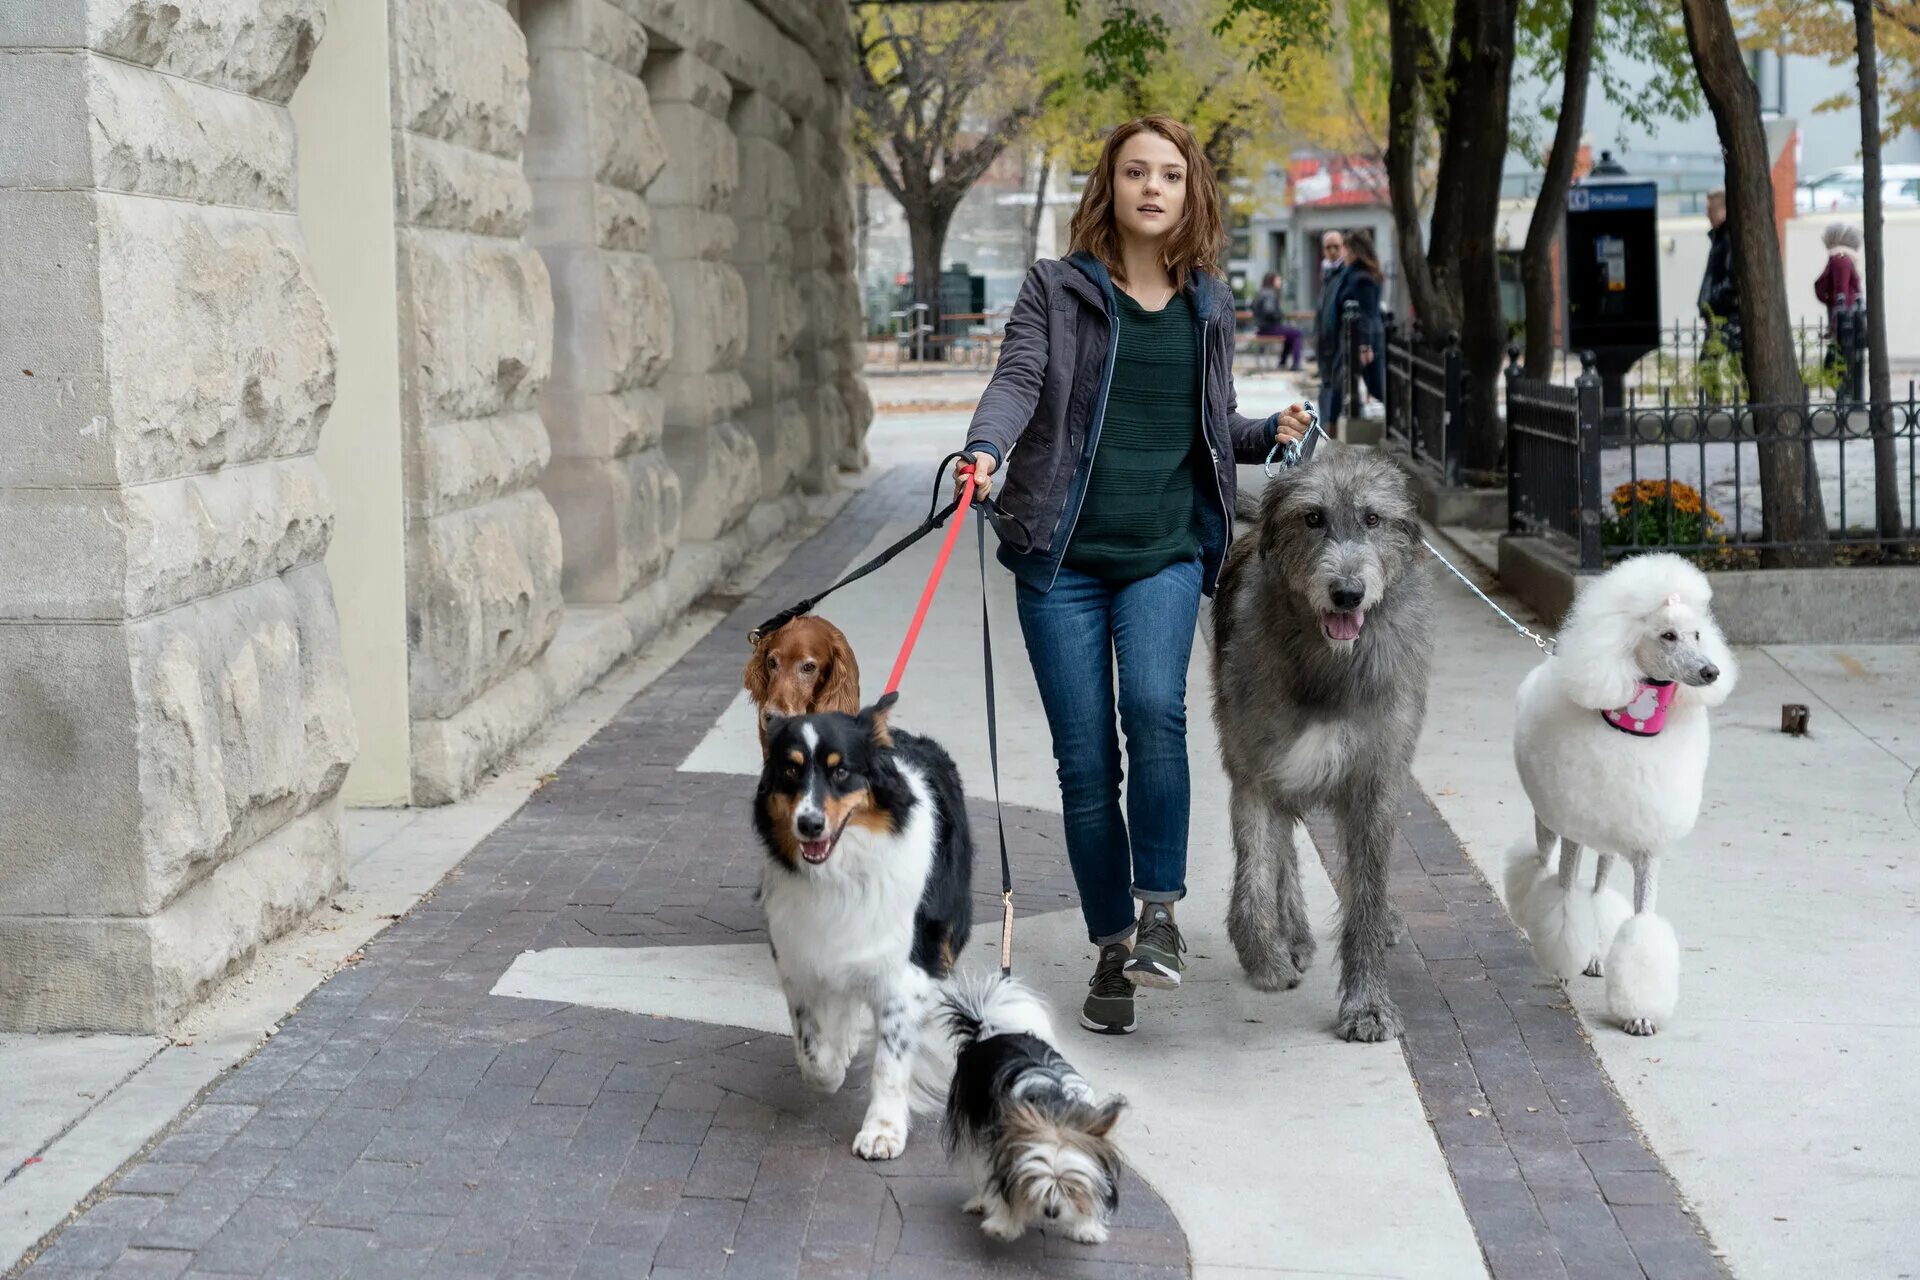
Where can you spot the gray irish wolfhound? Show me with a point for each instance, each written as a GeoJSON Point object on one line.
{"type": "Point", "coordinates": [1321, 650]}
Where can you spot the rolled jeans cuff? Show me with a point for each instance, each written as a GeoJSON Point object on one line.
{"type": "Point", "coordinates": [1158, 895]}
{"type": "Point", "coordinates": [1112, 938]}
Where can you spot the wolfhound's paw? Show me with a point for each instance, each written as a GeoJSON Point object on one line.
{"type": "Point", "coordinates": [1088, 1232]}
{"type": "Point", "coordinates": [1639, 1026]}
{"type": "Point", "coordinates": [1371, 1023]}
{"type": "Point", "coordinates": [879, 1140]}
{"type": "Point", "coordinates": [1301, 949]}
{"type": "Point", "coordinates": [1278, 974]}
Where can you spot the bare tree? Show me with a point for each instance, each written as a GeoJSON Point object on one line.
{"type": "Point", "coordinates": [1886, 459]}
{"type": "Point", "coordinates": [1543, 231]}
{"type": "Point", "coordinates": [915, 99]}
{"type": "Point", "coordinates": [1039, 207]}
{"type": "Point", "coordinates": [1791, 509]}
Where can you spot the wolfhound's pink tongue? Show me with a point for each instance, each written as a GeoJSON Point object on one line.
{"type": "Point", "coordinates": [1343, 626]}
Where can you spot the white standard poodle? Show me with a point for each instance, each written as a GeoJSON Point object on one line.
{"type": "Point", "coordinates": [1611, 744]}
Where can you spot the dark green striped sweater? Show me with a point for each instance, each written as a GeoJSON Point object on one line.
{"type": "Point", "coordinates": [1138, 516]}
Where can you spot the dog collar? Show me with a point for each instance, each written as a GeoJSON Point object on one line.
{"type": "Point", "coordinates": [1646, 714]}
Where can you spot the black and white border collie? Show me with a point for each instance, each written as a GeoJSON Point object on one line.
{"type": "Point", "coordinates": [1038, 1142]}
{"type": "Point", "coordinates": [866, 889]}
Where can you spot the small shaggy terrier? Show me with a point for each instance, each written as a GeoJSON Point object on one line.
{"type": "Point", "coordinates": [1038, 1142]}
{"type": "Point", "coordinates": [1611, 744]}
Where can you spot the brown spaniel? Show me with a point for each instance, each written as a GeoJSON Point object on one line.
{"type": "Point", "coordinates": [805, 666]}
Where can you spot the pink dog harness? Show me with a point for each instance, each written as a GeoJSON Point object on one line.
{"type": "Point", "coordinates": [1646, 715]}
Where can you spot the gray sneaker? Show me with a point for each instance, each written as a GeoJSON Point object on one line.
{"type": "Point", "coordinates": [1156, 950]}
{"type": "Point", "coordinates": [1109, 1006]}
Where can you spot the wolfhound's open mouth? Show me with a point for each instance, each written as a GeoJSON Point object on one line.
{"type": "Point", "coordinates": [1343, 626]}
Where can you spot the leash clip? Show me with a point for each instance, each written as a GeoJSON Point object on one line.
{"type": "Point", "coordinates": [1289, 451]}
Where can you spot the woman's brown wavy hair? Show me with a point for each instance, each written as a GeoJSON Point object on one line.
{"type": "Point", "coordinates": [1195, 242]}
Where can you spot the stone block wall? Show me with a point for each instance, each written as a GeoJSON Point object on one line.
{"type": "Point", "coordinates": [171, 686]}
{"type": "Point", "coordinates": [593, 148]}
{"type": "Point", "coordinates": [476, 345]}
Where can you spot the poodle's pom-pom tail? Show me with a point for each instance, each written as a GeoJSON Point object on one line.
{"type": "Point", "coordinates": [1643, 971]}
{"type": "Point", "coordinates": [972, 1007]}
{"type": "Point", "coordinates": [1524, 869]}
{"type": "Point", "coordinates": [1561, 925]}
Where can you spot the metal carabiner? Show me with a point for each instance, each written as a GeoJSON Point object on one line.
{"type": "Point", "coordinates": [1289, 451]}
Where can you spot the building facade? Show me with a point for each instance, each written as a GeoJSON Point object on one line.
{"type": "Point", "coordinates": [377, 374]}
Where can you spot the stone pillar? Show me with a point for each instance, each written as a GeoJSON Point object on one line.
{"type": "Point", "coordinates": [476, 326]}
{"type": "Point", "coordinates": [171, 683]}
{"type": "Point", "coordinates": [717, 462]}
{"type": "Point", "coordinates": [764, 207]}
{"type": "Point", "coordinates": [818, 350]}
{"type": "Point", "coordinates": [842, 307]}
{"type": "Point", "coordinates": [592, 150]}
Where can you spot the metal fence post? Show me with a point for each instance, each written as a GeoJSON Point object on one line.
{"type": "Point", "coordinates": [1350, 353]}
{"type": "Point", "coordinates": [1590, 410]}
{"type": "Point", "coordinates": [1513, 464]}
{"type": "Point", "coordinates": [1456, 396]}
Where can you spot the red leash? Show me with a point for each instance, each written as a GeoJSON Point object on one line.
{"type": "Point", "coordinates": [964, 470]}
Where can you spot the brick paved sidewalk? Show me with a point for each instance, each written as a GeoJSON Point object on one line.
{"type": "Point", "coordinates": [406, 1122]}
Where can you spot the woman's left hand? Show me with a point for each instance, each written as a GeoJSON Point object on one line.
{"type": "Point", "coordinates": [1366, 354]}
{"type": "Point", "coordinates": [1291, 424]}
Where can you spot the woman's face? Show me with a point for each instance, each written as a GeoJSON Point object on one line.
{"type": "Point", "coordinates": [1149, 186]}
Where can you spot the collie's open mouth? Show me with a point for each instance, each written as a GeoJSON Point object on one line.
{"type": "Point", "coordinates": [1343, 626]}
{"type": "Point", "coordinates": [818, 851]}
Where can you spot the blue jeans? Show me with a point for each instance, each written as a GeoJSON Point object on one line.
{"type": "Point", "coordinates": [1077, 634]}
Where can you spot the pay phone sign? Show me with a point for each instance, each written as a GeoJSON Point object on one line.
{"type": "Point", "coordinates": [1613, 277]}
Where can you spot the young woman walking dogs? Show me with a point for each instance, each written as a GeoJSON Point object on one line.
{"type": "Point", "coordinates": [1113, 414]}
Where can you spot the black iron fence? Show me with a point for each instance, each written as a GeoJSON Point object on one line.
{"type": "Point", "coordinates": [1426, 386]}
{"type": "Point", "coordinates": [1685, 476]}
{"type": "Point", "coordinates": [1695, 360]}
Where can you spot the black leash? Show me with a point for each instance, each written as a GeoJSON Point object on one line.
{"type": "Point", "coordinates": [936, 517]}
{"type": "Point", "coordinates": [993, 754]}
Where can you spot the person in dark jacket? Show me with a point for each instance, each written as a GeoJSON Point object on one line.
{"type": "Point", "coordinates": [1113, 415]}
{"type": "Point", "coordinates": [1357, 281]}
{"type": "Point", "coordinates": [1270, 321]}
{"type": "Point", "coordinates": [1719, 295]}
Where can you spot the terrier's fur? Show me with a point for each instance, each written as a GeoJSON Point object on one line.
{"type": "Point", "coordinates": [1038, 1142]}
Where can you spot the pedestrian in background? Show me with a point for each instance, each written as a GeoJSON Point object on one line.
{"type": "Point", "coordinates": [1270, 321]}
{"type": "Point", "coordinates": [1719, 294]}
{"type": "Point", "coordinates": [1358, 281]}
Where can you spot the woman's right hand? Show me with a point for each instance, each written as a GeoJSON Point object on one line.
{"type": "Point", "coordinates": [983, 469]}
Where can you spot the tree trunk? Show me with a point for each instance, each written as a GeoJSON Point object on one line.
{"type": "Point", "coordinates": [1039, 208]}
{"type": "Point", "coordinates": [1543, 232]}
{"type": "Point", "coordinates": [1887, 516]}
{"type": "Point", "coordinates": [927, 233]}
{"type": "Point", "coordinates": [861, 224]}
{"type": "Point", "coordinates": [1791, 509]}
{"type": "Point", "coordinates": [1458, 286]}
{"type": "Point", "coordinates": [1405, 28]}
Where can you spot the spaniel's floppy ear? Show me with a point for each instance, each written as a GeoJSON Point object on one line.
{"type": "Point", "coordinates": [759, 684]}
{"type": "Point", "coordinates": [841, 689]}
{"type": "Point", "coordinates": [874, 720]}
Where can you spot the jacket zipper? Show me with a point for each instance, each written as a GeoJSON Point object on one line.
{"type": "Point", "coordinates": [1213, 451]}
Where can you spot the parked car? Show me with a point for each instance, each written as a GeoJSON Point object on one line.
{"type": "Point", "coordinates": [1845, 188]}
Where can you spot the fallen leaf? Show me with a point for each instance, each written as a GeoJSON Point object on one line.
{"type": "Point", "coordinates": [28, 372]}
{"type": "Point", "coordinates": [29, 1160]}
{"type": "Point", "coordinates": [1533, 1111]}
{"type": "Point", "coordinates": [1473, 1111]}
{"type": "Point", "coordinates": [1778, 1218]}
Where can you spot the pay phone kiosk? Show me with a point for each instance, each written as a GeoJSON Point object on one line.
{"type": "Point", "coordinates": [1612, 269]}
